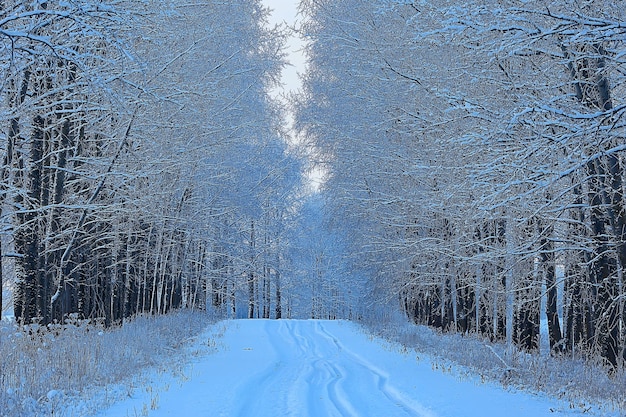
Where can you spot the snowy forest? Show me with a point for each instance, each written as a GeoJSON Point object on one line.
{"type": "Point", "coordinates": [142, 157]}
{"type": "Point", "coordinates": [472, 156]}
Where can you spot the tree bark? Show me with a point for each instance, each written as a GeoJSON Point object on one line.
{"type": "Point", "coordinates": [548, 269]}
{"type": "Point", "coordinates": [251, 275]}
{"type": "Point", "coordinates": [592, 88]}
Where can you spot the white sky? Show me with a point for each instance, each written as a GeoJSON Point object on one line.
{"type": "Point", "coordinates": [286, 11]}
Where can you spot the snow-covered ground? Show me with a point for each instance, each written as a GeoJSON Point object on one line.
{"type": "Point", "coordinates": [322, 368]}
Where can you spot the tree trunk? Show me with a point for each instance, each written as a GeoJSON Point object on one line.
{"type": "Point", "coordinates": [592, 88]}
{"type": "Point", "coordinates": [251, 276]}
{"type": "Point", "coordinates": [547, 259]}
{"type": "Point", "coordinates": [279, 308]}
{"type": "Point", "coordinates": [27, 235]}
{"type": "Point", "coordinates": [13, 138]}
{"type": "Point", "coordinates": [266, 292]}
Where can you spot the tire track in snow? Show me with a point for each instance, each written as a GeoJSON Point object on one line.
{"type": "Point", "coordinates": [268, 386]}
{"type": "Point", "coordinates": [326, 377]}
{"type": "Point", "coordinates": [313, 374]}
{"type": "Point", "coordinates": [300, 380]}
{"type": "Point", "coordinates": [381, 378]}
{"type": "Point", "coordinates": [322, 376]}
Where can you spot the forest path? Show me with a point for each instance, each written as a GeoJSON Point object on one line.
{"type": "Point", "coordinates": [321, 368]}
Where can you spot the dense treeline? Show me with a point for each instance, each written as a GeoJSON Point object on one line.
{"type": "Point", "coordinates": [475, 158]}
{"type": "Point", "coordinates": [321, 285]}
{"type": "Point", "coordinates": [140, 157]}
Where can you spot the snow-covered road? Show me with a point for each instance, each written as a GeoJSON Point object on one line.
{"type": "Point", "coordinates": [313, 373]}
{"type": "Point", "coordinates": [322, 368]}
